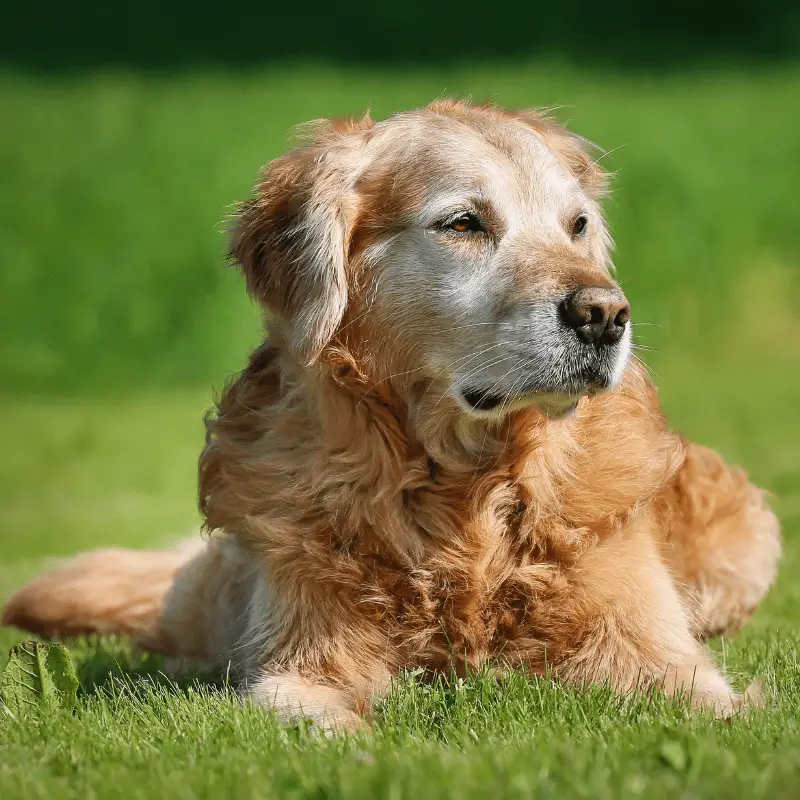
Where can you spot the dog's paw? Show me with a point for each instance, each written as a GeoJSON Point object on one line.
{"type": "Point", "coordinates": [726, 703]}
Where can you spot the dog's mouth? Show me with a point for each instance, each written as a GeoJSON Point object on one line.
{"type": "Point", "coordinates": [552, 405]}
{"type": "Point", "coordinates": [481, 400]}
{"type": "Point", "coordinates": [552, 386]}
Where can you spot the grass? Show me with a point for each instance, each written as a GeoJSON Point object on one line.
{"type": "Point", "coordinates": [119, 317]}
{"type": "Point", "coordinates": [480, 739]}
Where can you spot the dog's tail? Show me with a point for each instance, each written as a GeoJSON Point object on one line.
{"type": "Point", "coordinates": [168, 602]}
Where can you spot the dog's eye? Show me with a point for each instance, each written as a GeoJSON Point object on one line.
{"type": "Point", "coordinates": [465, 223]}
{"type": "Point", "coordinates": [579, 225]}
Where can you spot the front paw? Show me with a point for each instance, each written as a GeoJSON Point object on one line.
{"type": "Point", "coordinates": [293, 698]}
{"type": "Point", "coordinates": [711, 692]}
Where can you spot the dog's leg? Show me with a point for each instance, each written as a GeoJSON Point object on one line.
{"type": "Point", "coordinates": [635, 628]}
{"type": "Point", "coordinates": [302, 658]}
{"type": "Point", "coordinates": [195, 604]}
{"type": "Point", "coordinates": [186, 603]}
{"type": "Point", "coordinates": [721, 540]}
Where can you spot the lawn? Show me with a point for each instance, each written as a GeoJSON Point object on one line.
{"type": "Point", "coordinates": [119, 319]}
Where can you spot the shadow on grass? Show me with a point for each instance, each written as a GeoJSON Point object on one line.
{"type": "Point", "coordinates": [103, 662]}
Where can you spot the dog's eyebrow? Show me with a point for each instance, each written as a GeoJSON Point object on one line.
{"type": "Point", "coordinates": [489, 215]}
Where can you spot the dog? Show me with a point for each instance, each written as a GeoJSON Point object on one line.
{"type": "Point", "coordinates": [443, 456]}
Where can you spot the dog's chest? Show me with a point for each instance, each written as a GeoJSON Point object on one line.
{"type": "Point", "coordinates": [461, 606]}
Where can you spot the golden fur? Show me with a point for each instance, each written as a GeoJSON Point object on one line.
{"type": "Point", "coordinates": [362, 522]}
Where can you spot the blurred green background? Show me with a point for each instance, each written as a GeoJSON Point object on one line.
{"type": "Point", "coordinates": [127, 133]}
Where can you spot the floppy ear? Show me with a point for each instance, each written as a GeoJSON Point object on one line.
{"type": "Point", "coordinates": [291, 243]}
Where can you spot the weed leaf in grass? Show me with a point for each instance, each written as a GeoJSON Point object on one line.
{"type": "Point", "coordinates": [62, 670]}
{"type": "Point", "coordinates": [38, 675]}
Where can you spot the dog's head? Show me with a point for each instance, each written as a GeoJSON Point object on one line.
{"type": "Point", "coordinates": [465, 244]}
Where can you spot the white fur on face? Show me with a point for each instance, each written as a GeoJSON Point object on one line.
{"type": "Point", "coordinates": [482, 310]}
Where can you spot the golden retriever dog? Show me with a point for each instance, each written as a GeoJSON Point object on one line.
{"type": "Point", "coordinates": [443, 455]}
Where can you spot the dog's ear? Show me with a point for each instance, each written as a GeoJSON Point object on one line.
{"type": "Point", "coordinates": [291, 240]}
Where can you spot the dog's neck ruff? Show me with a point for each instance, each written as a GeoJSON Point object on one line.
{"type": "Point", "coordinates": [325, 454]}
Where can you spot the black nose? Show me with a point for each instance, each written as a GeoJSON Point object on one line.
{"type": "Point", "coordinates": [597, 314]}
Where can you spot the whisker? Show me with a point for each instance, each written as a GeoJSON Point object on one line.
{"type": "Point", "coordinates": [417, 369]}
{"type": "Point", "coordinates": [510, 398]}
{"type": "Point", "coordinates": [466, 359]}
{"type": "Point", "coordinates": [650, 371]}
{"type": "Point", "coordinates": [474, 325]}
{"type": "Point", "coordinates": [355, 319]}
{"type": "Point", "coordinates": [519, 363]}
{"type": "Point", "coordinates": [387, 378]}
{"type": "Point", "coordinates": [485, 365]}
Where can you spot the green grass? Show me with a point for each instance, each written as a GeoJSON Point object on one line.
{"type": "Point", "coordinates": [118, 317]}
